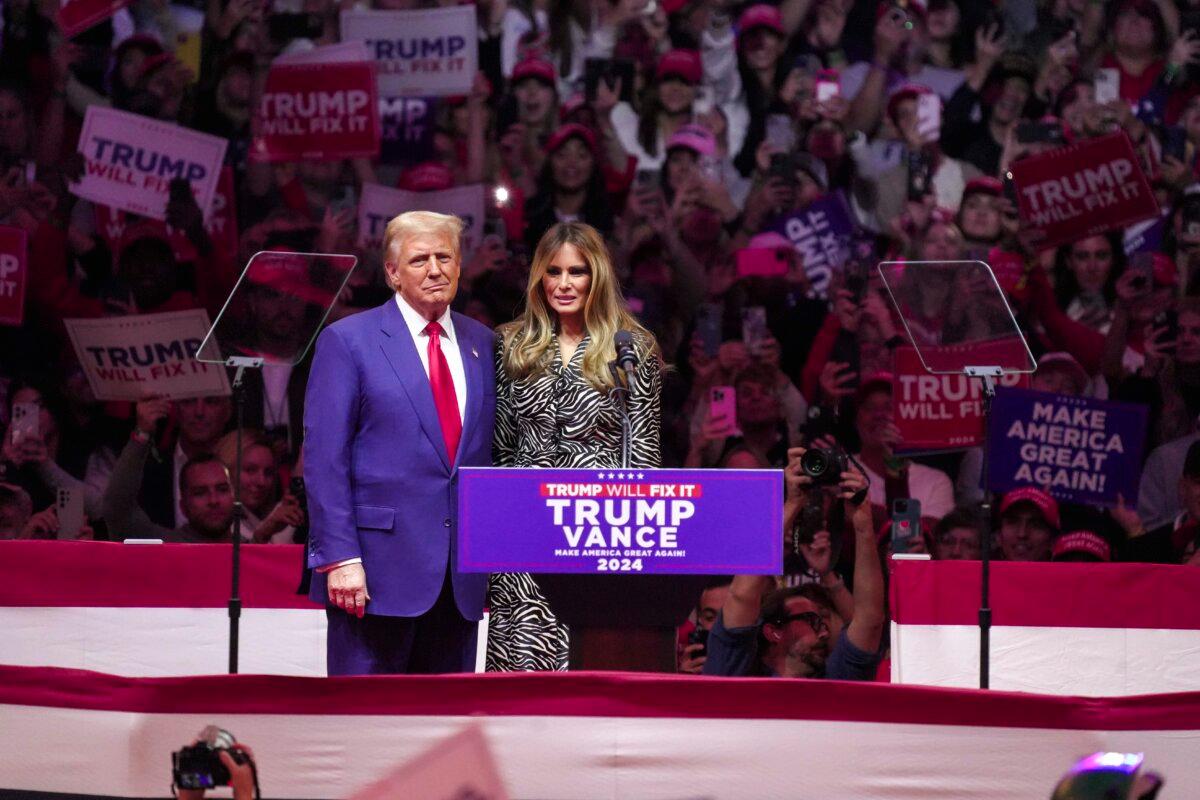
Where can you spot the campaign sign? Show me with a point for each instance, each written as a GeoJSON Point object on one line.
{"type": "Point", "coordinates": [132, 159]}
{"type": "Point", "coordinates": [14, 272]}
{"type": "Point", "coordinates": [221, 224]}
{"type": "Point", "coordinates": [130, 358]}
{"type": "Point", "coordinates": [1080, 449]}
{"type": "Point", "coordinates": [649, 521]}
{"type": "Point", "coordinates": [820, 232]}
{"type": "Point", "coordinates": [427, 52]}
{"type": "Point", "coordinates": [1083, 189]}
{"type": "Point", "coordinates": [940, 412]}
{"type": "Point", "coordinates": [76, 16]}
{"type": "Point", "coordinates": [407, 129]}
{"type": "Point", "coordinates": [378, 204]}
{"type": "Point", "coordinates": [317, 112]}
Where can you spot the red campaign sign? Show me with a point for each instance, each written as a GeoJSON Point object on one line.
{"type": "Point", "coordinates": [318, 112]}
{"type": "Point", "coordinates": [76, 16]}
{"type": "Point", "coordinates": [941, 412]}
{"type": "Point", "coordinates": [1082, 190]}
{"type": "Point", "coordinates": [111, 224]}
{"type": "Point", "coordinates": [14, 266]}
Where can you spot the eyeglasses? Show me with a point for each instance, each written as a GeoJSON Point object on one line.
{"type": "Point", "coordinates": [810, 618]}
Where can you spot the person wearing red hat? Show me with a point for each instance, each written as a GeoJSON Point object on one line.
{"type": "Point", "coordinates": [1029, 522]}
{"type": "Point", "coordinates": [1085, 546]}
{"type": "Point", "coordinates": [979, 214]}
{"type": "Point", "coordinates": [533, 109]}
{"type": "Point", "coordinates": [1139, 40]}
{"type": "Point", "coordinates": [570, 187]}
{"type": "Point", "coordinates": [669, 106]}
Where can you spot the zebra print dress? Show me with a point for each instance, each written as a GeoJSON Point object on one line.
{"type": "Point", "coordinates": [556, 419]}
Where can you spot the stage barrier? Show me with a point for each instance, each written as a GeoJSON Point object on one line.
{"type": "Point", "coordinates": [1063, 628]}
{"type": "Point", "coordinates": [584, 735]}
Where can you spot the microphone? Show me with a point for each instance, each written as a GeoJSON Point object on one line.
{"type": "Point", "coordinates": [626, 356]}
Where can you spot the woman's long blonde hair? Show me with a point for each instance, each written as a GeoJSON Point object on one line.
{"type": "Point", "coordinates": [528, 338]}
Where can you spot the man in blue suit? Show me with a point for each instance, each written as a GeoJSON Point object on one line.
{"type": "Point", "coordinates": [399, 397]}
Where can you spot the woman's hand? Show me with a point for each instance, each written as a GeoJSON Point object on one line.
{"type": "Point", "coordinates": [837, 381]}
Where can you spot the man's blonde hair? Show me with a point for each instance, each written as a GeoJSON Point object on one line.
{"type": "Point", "coordinates": [415, 223]}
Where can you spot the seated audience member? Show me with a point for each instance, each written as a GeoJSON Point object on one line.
{"type": "Point", "coordinates": [1081, 546]}
{"type": "Point", "coordinates": [205, 491]}
{"type": "Point", "coordinates": [958, 536]}
{"type": "Point", "coordinates": [708, 607]}
{"type": "Point", "coordinates": [878, 436]}
{"type": "Point", "coordinates": [269, 517]}
{"type": "Point", "coordinates": [787, 632]}
{"type": "Point", "coordinates": [1174, 541]}
{"type": "Point", "coordinates": [1029, 523]}
{"type": "Point", "coordinates": [1158, 494]}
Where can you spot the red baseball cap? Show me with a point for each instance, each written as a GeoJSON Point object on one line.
{"type": "Point", "coordinates": [570, 131]}
{"type": "Point", "coordinates": [909, 91]}
{"type": "Point", "coordinates": [683, 64]}
{"type": "Point", "coordinates": [1044, 503]}
{"type": "Point", "coordinates": [696, 138]}
{"type": "Point", "coordinates": [761, 15]}
{"type": "Point", "coordinates": [535, 67]}
{"type": "Point", "coordinates": [428, 176]}
{"type": "Point", "coordinates": [1163, 270]}
{"type": "Point", "coordinates": [154, 63]}
{"type": "Point", "coordinates": [873, 383]}
{"type": "Point", "coordinates": [983, 185]}
{"type": "Point", "coordinates": [1082, 543]}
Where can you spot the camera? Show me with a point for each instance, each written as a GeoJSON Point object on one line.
{"type": "Point", "coordinates": [199, 766]}
{"type": "Point", "coordinates": [824, 465]}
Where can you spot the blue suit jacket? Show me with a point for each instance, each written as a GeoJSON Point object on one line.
{"type": "Point", "coordinates": [380, 485]}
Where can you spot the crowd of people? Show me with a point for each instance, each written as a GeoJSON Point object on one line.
{"type": "Point", "coordinates": [738, 116]}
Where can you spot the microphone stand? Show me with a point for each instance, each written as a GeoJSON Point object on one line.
{"type": "Point", "coordinates": [988, 376]}
{"type": "Point", "coordinates": [620, 393]}
{"type": "Point", "coordinates": [240, 363]}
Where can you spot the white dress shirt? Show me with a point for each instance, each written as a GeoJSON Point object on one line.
{"type": "Point", "coordinates": [416, 326]}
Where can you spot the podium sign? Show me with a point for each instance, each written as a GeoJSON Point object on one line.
{"type": "Point", "coordinates": [666, 522]}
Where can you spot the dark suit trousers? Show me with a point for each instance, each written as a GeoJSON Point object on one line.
{"type": "Point", "coordinates": [438, 641]}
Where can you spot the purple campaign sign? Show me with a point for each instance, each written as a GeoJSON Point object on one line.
{"type": "Point", "coordinates": [652, 521]}
{"type": "Point", "coordinates": [1084, 450]}
{"type": "Point", "coordinates": [821, 233]}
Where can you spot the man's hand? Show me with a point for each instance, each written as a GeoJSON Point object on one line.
{"type": "Point", "coordinates": [150, 412]}
{"type": "Point", "coordinates": [241, 776]}
{"type": "Point", "coordinates": [837, 380]}
{"type": "Point", "coordinates": [42, 525]}
{"type": "Point", "coordinates": [348, 589]}
{"type": "Point", "coordinates": [853, 490]}
{"type": "Point", "coordinates": [819, 553]}
{"type": "Point", "coordinates": [693, 659]}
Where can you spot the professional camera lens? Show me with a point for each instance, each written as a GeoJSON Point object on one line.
{"type": "Point", "coordinates": [814, 462]}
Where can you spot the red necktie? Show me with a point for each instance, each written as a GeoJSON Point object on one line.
{"type": "Point", "coordinates": [442, 384]}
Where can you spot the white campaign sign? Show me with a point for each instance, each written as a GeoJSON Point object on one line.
{"type": "Point", "coordinates": [426, 53]}
{"type": "Point", "coordinates": [130, 358]}
{"type": "Point", "coordinates": [131, 160]}
{"type": "Point", "coordinates": [379, 204]}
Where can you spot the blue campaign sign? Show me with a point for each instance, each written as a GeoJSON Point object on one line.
{"type": "Point", "coordinates": [676, 522]}
{"type": "Point", "coordinates": [1081, 449]}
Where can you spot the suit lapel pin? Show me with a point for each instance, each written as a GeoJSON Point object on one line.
{"type": "Point", "coordinates": [474, 352]}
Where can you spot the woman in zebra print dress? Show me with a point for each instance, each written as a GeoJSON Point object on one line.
{"type": "Point", "coordinates": [553, 409]}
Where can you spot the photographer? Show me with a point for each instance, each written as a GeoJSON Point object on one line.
{"type": "Point", "coordinates": [787, 633]}
{"type": "Point", "coordinates": [207, 758]}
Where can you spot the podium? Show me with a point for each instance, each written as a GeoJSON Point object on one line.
{"type": "Point", "coordinates": [622, 555]}
{"type": "Point", "coordinates": [622, 622]}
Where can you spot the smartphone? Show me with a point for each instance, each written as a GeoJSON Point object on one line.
{"type": "Point", "coordinates": [708, 327]}
{"type": "Point", "coordinates": [646, 179]}
{"type": "Point", "coordinates": [699, 636]}
{"type": "Point", "coordinates": [906, 524]}
{"type": "Point", "coordinates": [829, 85]}
{"type": "Point", "coordinates": [920, 168]}
{"type": "Point", "coordinates": [781, 167]}
{"type": "Point", "coordinates": [1167, 321]}
{"type": "Point", "coordinates": [762, 262]}
{"type": "Point", "coordinates": [1107, 85]}
{"type": "Point", "coordinates": [1010, 188]}
{"type": "Point", "coordinates": [609, 70]}
{"type": "Point", "coordinates": [754, 326]}
{"type": "Point", "coordinates": [722, 405]}
{"type": "Point", "coordinates": [1142, 265]}
{"type": "Point", "coordinates": [856, 283]}
{"type": "Point", "coordinates": [929, 117]}
{"type": "Point", "coordinates": [1038, 132]}
{"type": "Point", "coordinates": [780, 134]}
{"type": "Point", "coordinates": [285, 27]}
{"type": "Point", "coordinates": [1175, 143]}
{"type": "Point", "coordinates": [25, 422]}
{"type": "Point", "coordinates": [68, 505]}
